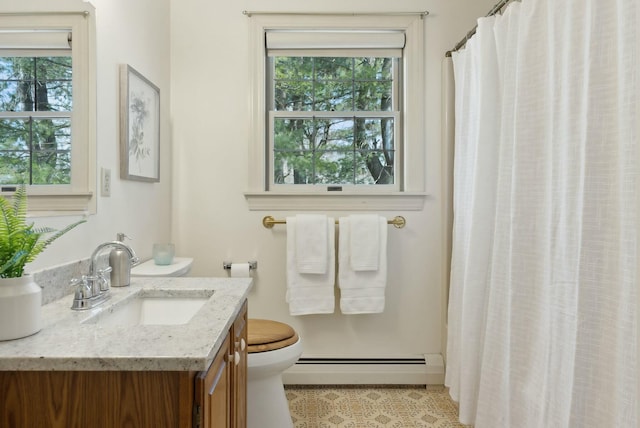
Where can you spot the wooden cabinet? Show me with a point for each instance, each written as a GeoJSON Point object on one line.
{"type": "Point", "coordinates": [109, 399]}
{"type": "Point", "coordinates": [240, 374]}
{"type": "Point", "coordinates": [221, 392]}
{"type": "Point", "coordinates": [214, 389]}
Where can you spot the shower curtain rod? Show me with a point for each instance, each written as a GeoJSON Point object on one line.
{"type": "Point", "coordinates": [422, 13]}
{"type": "Point", "coordinates": [494, 10]}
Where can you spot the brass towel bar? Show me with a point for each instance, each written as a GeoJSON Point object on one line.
{"type": "Point", "coordinates": [268, 222]}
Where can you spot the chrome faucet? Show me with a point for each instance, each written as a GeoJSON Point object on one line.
{"type": "Point", "coordinates": [93, 289]}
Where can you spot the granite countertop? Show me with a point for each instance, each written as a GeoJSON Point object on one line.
{"type": "Point", "coordinates": [68, 341]}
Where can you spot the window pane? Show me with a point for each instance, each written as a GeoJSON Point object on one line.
{"type": "Point", "coordinates": [292, 134]}
{"type": "Point", "coordinates": [335, 168]}
{"type": "Point", "coordinates": [14, 135]}
{"type": "Point", "coordinates": [35, 84]}
{"type": "Point", "coordinates": [334, 96]}
{"type": "Point", "coordinates": [293, 167]}
{"type": "Point", "coordinates": [373, 168]}
{"type": "Point", "coordinates": [376, 146]}
{"type": "Point", "coordinates": [292, 161]}
{"type": "Point", "coordinates": [46, 160]}
{"type": "Point", "coordinates": [53, 83]}
{"type": "Point", "coordinates": [375, 133]}
{"type": "Point", "coordinates": [51, 167]}
{"type": "Point", "coordinates": [293, 68]}
{"type": "Point", "coordinates": [332, 134]}
{"type": "Point", "coordinates": [7, 68]}
{"type": "Point", "coordinates": [334, 68]}
{"type": "Point", "coordinates": [373, 69]}
{"type": "Point", "coordinates": [51, 134]}
{"type": "Point", "coordinates": [14, 168]}
{"type": "Point", "coordinates": [293, 95]}
{"type": "Point", "coordinates": [9, 101]}
{"type": "Point", "coordinates": [374, 96]}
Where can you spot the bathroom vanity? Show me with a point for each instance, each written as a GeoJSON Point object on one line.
{"type": "Point", "coordinates": [180, 364]}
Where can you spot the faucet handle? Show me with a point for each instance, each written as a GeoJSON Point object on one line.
{"type": "Point", "coordinates": [103, 278]}
{"type": "Point", "coordinates": [83, 290]}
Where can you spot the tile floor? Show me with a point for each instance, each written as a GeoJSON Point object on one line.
{"type": "Point", "coordinates": [371, 407]}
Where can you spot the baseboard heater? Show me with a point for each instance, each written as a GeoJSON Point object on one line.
{"type": "Point", "coordinates": [428, 369]}
{"type": "Point", "coordinates": [361, 361]}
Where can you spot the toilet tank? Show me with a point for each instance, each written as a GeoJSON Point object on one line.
{"type": "Point", "coordinates": [179, 267]}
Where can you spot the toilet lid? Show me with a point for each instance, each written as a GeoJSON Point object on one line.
{"type": "Point", "coordinates": [269, 335]}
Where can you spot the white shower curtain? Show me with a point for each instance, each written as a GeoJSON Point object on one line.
{"type": "Point", "coordinates": [544, 275]}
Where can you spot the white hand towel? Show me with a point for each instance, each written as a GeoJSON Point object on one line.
{"type": "Point", "coordinates": [312, 245]}
{"type": "Point", "coordinates": [310, 293]}
{"type": "Point", "coordinates": [361, 292]}
{"type": "Point", "coordinates": [364, 242]}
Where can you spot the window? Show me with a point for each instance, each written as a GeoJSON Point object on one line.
{"type": "Point", "coordinates": [333, 113]}
{"type": "Point", "coordinates": [46, 123]}
{"type": "Point", "coordinates": [338, 107]}
{"type": "Point", "coordinates": [36, 102]}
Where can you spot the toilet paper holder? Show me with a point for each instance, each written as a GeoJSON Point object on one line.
{"type": "Point", "coordinates": [252, 265]}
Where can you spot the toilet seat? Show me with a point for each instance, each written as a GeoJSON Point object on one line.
{"type": "Point", "coordinates": [269, 335]}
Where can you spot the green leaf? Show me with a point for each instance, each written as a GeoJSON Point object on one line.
{"type": "Point", "coordinates": [20, 242]}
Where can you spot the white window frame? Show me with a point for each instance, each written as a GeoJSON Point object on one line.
{"type": "Point", "coordinates": [79, 196]}
{"type": "Point", "coordinates": [410, 193]}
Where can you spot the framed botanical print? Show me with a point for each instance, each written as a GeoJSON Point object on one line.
{"type": "Point", "coordinates": [139, 127]}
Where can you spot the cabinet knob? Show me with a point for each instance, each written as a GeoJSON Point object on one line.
{"type": "Point", "coordinates": [234, 358]}
{"type": "Point", "coordinates": [242, 344]}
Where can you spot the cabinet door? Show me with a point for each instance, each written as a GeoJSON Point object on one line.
{"type": "Point", "coordinates": [213, 390]}
{"type": "Point", "coordinates": [240, 373]}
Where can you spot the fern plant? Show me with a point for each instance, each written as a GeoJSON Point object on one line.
{"type": "Point", "coordinates": [21, 243]}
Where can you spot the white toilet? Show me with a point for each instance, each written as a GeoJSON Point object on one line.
{"type": "Point", "coordinates": [273, 348]}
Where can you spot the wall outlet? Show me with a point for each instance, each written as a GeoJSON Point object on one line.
{"type": "Point", "coordinates": [105, 182]}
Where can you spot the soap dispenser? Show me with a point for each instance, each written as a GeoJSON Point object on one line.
{"type": "Point", "coordinates": [120, 263]}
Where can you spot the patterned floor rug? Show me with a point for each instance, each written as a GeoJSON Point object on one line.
{"type": "Point", "coordinates": [367, 407]}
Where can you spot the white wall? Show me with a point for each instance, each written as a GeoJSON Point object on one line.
{"type": "Point", "coordinates": [135, 33]}
{"type": "Point", "coordinates": [211, 221]}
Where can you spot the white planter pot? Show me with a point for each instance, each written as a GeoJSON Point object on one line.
{"type": "Point", "coordinates": [20, 307]}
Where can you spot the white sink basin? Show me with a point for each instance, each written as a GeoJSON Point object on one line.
{"type": "Point", "coordinates": [152, 309]}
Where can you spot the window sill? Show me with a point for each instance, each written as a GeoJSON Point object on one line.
{"type": "Point", "coordinates": [61, 204]}
{"type": "Point", "coordinates": [401, 201]}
